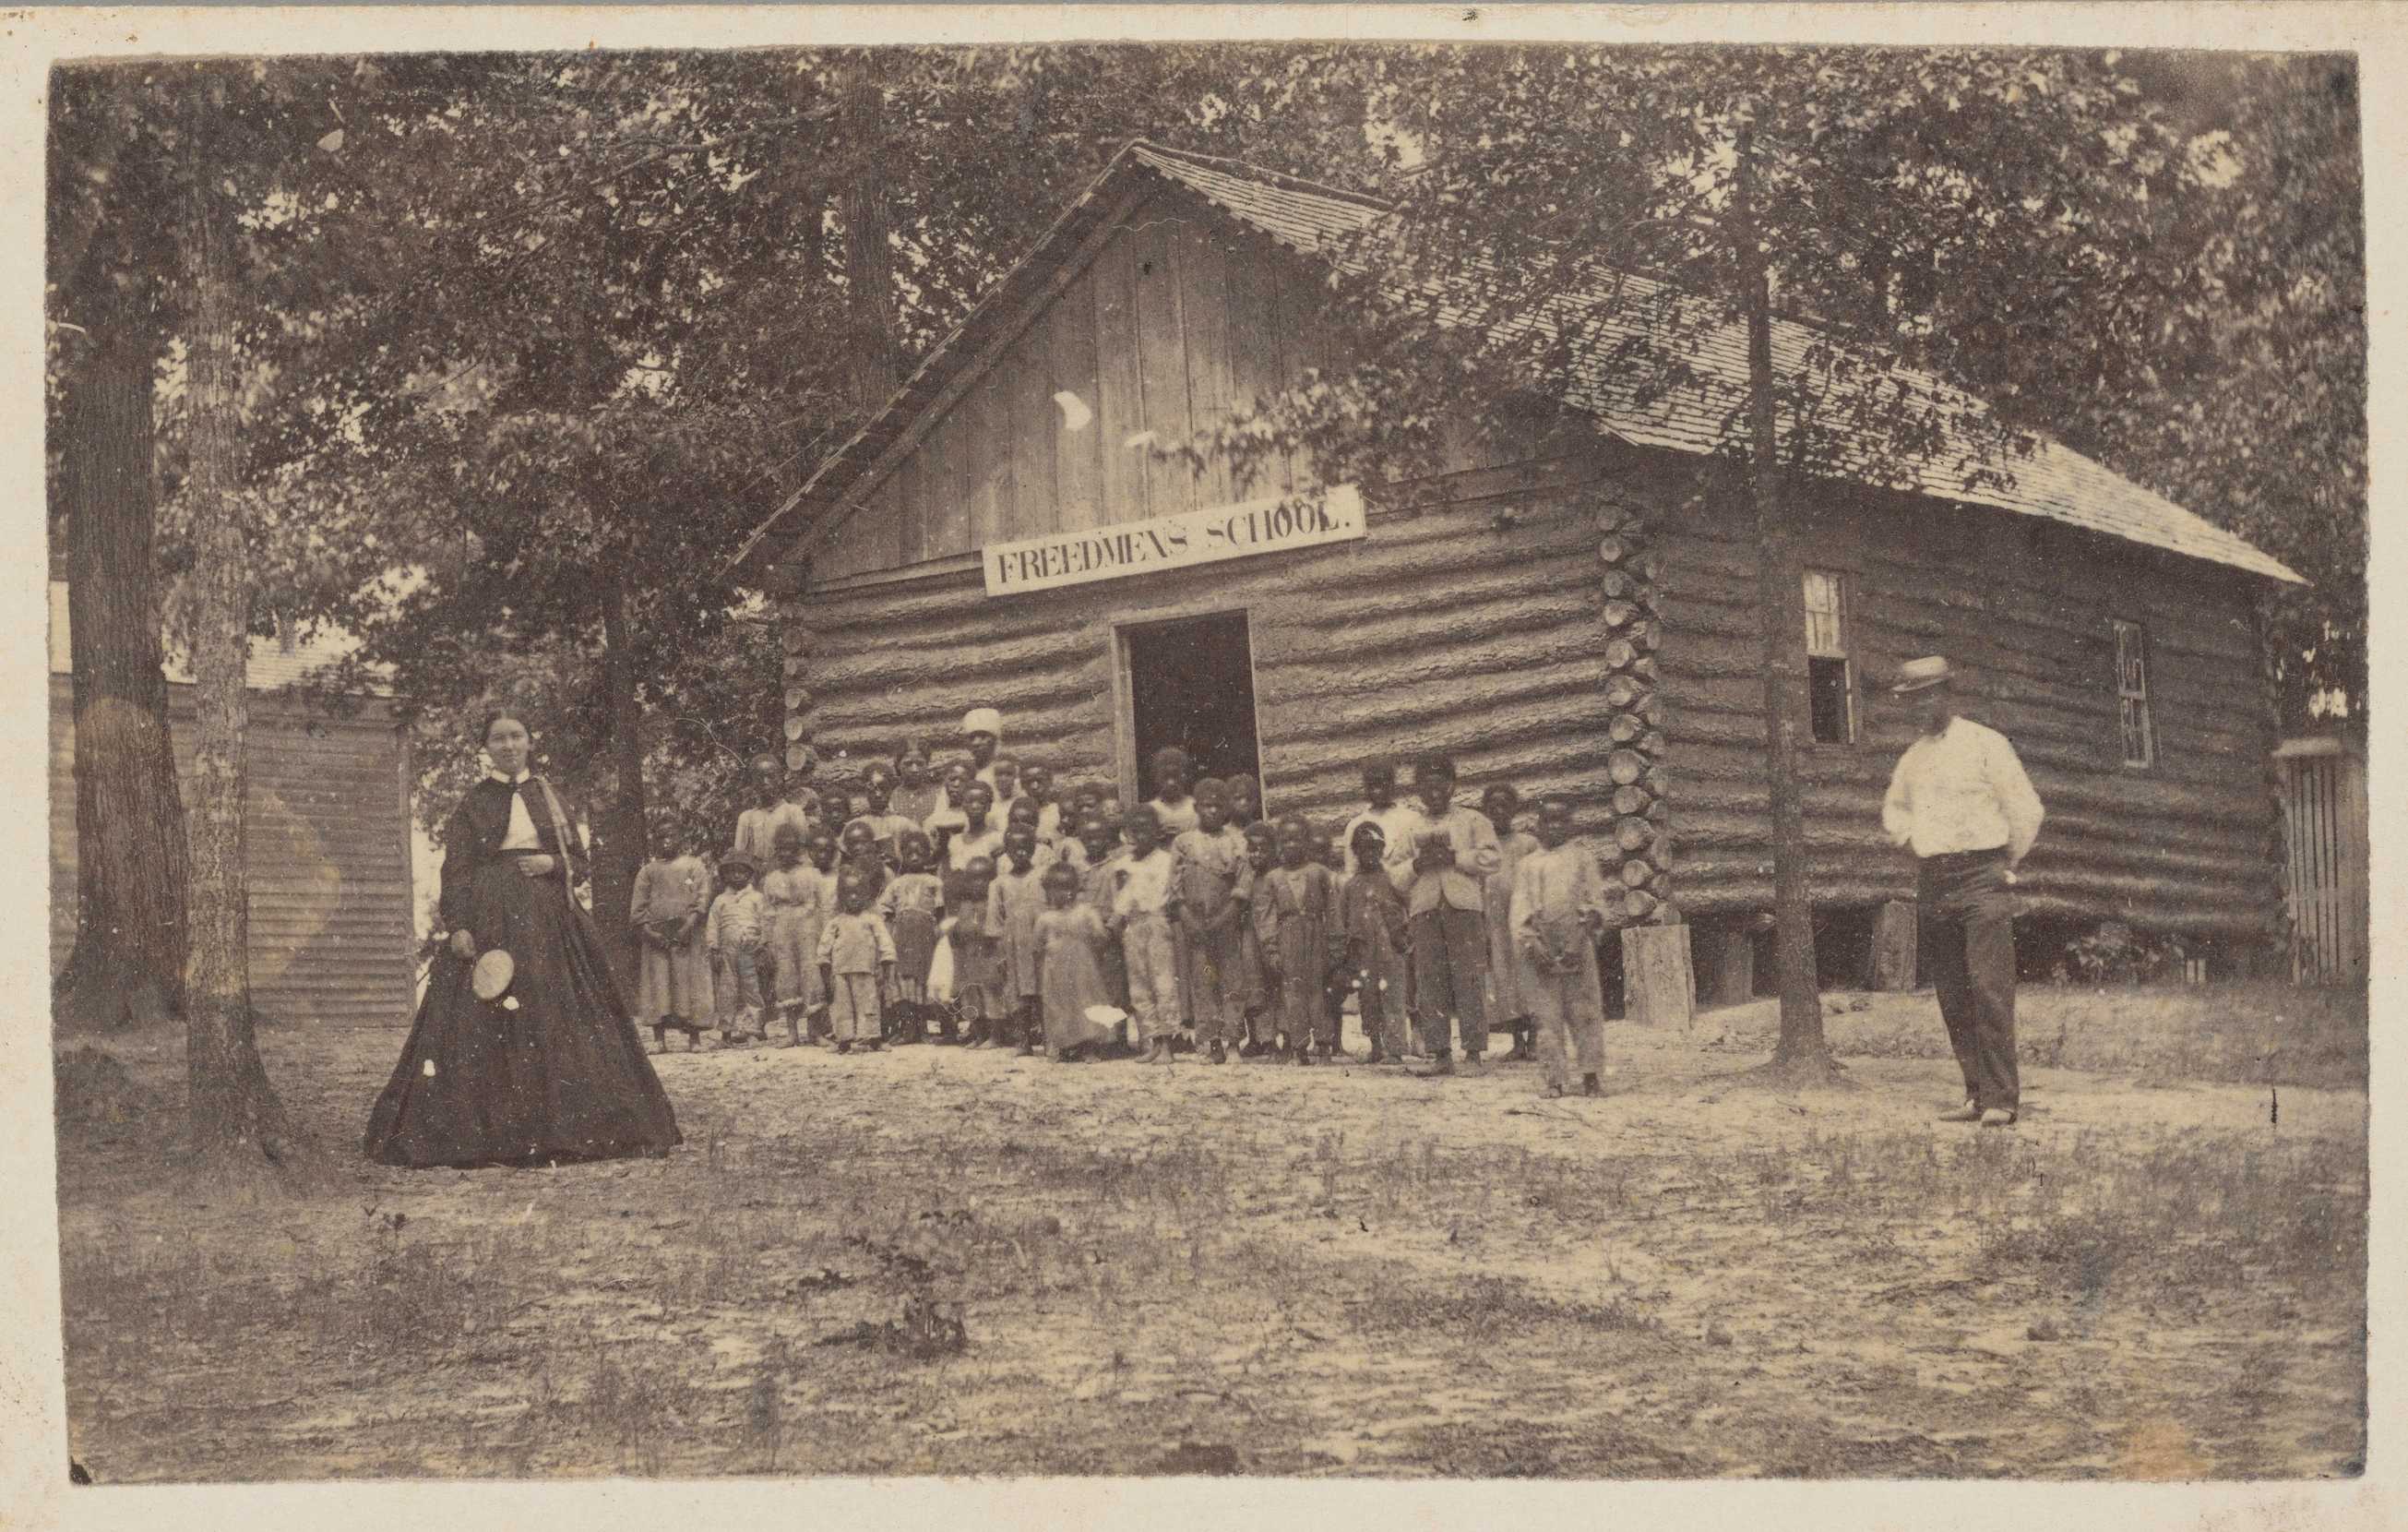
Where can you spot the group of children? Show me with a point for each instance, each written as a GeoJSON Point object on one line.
{"type": "Point", "coordinates": [976, 908]}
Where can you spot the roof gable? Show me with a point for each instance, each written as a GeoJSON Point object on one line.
{"type": "Point", "coordinates": [2053, 482]}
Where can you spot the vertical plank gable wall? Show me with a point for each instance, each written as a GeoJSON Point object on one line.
{"type": "Point", "coordinates": [1179, 317]}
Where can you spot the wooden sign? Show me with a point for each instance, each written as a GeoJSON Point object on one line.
{"type": "Point", "coordinates": [1172, 543]}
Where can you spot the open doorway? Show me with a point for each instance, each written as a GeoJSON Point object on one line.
{"type": "Point", "coordinates": [1191, 684]}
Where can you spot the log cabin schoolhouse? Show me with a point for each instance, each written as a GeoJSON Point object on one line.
{"type": "Point", "coordinates": [327, 843]}
{"type": "Point", "coordinates": [1574, 613]}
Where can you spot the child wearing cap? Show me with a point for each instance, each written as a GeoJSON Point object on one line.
{"type": "Point", "coordinates": [1558, 912]}
{"type": "Point", "coordinates": [735, 933]}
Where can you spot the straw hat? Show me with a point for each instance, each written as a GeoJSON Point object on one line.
{"type": "Point", "coordinates": [1922, 674]}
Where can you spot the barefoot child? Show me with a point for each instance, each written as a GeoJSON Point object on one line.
{"type": "Point", "coordinates": [1440, 869]}
{"type": "Point", "coordinates": [1014, 901]}
{"type": "Point", "coordinates": [734, 935]}
{"type": "Point", "coordinates": [1375, 919]}
{"type": "Point", "coordinates": [1259, 996]}
{"type": "Point", "coordinates": [1070, 938]}
{"type": "Point", "coordinates": [978, 980]}
{"type": "Point", "coordinates": [1305, 942]}
{"type": "Point", "coordinates": [1558, 913]}
{"type": "Point", "coordinates": [796, 896]}
{"type": "Point", "coordinates": [856, 960]}
{"type": "Point", "coordinates": [1205, 865]}
{"type": "Point", "coordinates": [1099, 847]}
{"type": "Point", "coordinates": [1141, 911]}
{"type": "Point", "coordinates": [911, 906]}
{"type": "Point", "coordinates": [1507, 1008]}
{"type": "Point", "coordinates": [671, 903]}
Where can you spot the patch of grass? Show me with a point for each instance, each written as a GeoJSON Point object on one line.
{"type": "Point", "coordinates": [2254, 1032]}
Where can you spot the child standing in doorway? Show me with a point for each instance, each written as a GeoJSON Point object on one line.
{"type": "Point", "coordinates": [1558, 913]}
{"type": "Point", "coordinates": [1174, 810]}
{"type": "Point", "coordinates": [857, 958]}
{"type": "Point", "coordinates": [1205, 869]}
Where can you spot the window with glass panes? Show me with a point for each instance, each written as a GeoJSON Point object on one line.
{"type": "Point", "coordinates": [1831, 694]}
{"type": "Point", "coordinates": [2132, 693]}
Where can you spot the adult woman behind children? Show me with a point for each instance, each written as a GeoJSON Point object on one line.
{"type": "Point", "coordinates": [547, 1067]}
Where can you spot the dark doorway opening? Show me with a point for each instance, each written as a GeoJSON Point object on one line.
{"type": "Point", "coordinates": [1192, 684]}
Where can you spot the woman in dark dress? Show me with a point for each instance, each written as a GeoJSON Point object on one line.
{"type": "Point", "coordinates": [551, 1069]}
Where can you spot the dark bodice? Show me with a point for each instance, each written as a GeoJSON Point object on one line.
{"type": "Point", "coordinates": [472, 840]}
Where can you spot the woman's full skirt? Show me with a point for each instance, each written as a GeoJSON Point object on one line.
{"type": "Point", "coordinates": [551, 1069]}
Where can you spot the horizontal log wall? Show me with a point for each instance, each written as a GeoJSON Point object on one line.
{"type": "Point", "coordinates": [327, 827]}
{"type": "Point", "coordinates": [1440, 630]}
{"type": "Point", "coordinates": [2025, 611]}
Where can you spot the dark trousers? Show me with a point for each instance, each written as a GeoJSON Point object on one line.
{"type": "Point", "coordinates": [1450, 958]}
{"type": "Point", "coordinates": [1967, 918]}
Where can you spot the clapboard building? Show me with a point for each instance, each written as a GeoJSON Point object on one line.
{"type": "Point", "coordinates": [1577, 611]}
{"type": "Point", "coordinates": [327, 836]}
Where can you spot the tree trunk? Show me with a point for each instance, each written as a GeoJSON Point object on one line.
{"type": "Point", "coordinates": [619, 839]}
{"type": "Point", "coordinates": [1801, 1044]}
{"type": "Point", "coordinates": [127, 968]}
{"type": "Point", "coordinates": [233, 1108]}
{"type": "Point", "coordinates": [868, 259]}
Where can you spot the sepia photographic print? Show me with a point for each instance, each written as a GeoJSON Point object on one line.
{"type": "Point", "coordinates": [999, 748]}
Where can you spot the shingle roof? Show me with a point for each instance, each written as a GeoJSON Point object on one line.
{"type": "Point", "coordinates": [2052, 481]}
{"type": "Point", "coordinates": [270, 667]}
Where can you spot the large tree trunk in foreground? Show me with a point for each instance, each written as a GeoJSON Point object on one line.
{"type": "Point", "coordinates": [233, 1108]}
{"type": "Point", "coordinates": [127, 968]}
{"type": "Point", "coordinates": [619, 851]}
{"type": "Point", "coordinates": [1802, 1044]}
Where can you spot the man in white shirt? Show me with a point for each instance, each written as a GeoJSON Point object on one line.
{"type": "Point", "coordinates": [1960, 802]}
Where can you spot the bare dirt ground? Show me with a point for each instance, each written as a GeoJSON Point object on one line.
{"type": "Point", "coordinates": [930, 1260]}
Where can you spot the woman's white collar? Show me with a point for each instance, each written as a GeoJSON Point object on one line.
{"type": "Point", "coordinates": [495, 772]}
